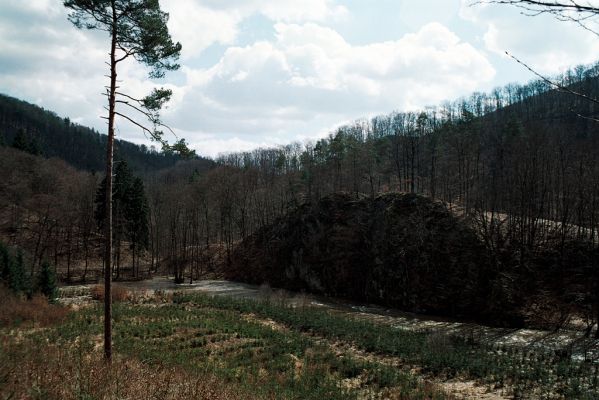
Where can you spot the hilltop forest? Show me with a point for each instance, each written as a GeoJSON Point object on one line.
{"type": "Point", "coordinates": [517, 167]}
{"type": "Point", "coordinates": [42, 132]}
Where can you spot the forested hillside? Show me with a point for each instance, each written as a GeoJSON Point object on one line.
{"type": "Point", "coordinates": [84, 148]}
{"type": "Point", "coordinates": [438, 251]}
{"type": "Point", "coordinates": [518, 166]}
{"type": "Point", "coordinates": [521, 161]}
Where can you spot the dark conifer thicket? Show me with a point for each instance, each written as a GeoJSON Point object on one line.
{"type": "Point", "coordinates": [401, 250]}
{"type": "Point", "coordinates": [129, 213]}
{"type": "Point", "coordinates": [84, 148]}
{"type": "Point", "coordinates": [20, 278]}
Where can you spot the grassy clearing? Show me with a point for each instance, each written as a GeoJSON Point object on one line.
{"type": "Point", "coordinates": [194, 346]}
{"type": "Point", "coordinates": [522, 373]}
{"type": "Point", "coordinates": [167, 349]}
{"type": "Point", "coordinates": [117, 293]}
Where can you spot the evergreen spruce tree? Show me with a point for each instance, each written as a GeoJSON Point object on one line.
{"type": "Point", "coordinates": [122, 187]}
{"type": "Point", "coordinates": [123, 178]}
{"type": "Point", "coordinates": [100, 203]}
{"type": "Point", "coordinates": [5, 260]}
{"type": "Point", "coordinates": [16, 273]}
{"type": "Point", "coordinates": [35, 147]}
{"type": "Point", "coordinates": [21, 142]}
{"type": "Point", "coordinates": [129, 212]}
{"type": "Point", "coordinates": [47, 281]}
{"type": "Point", "coordinates": [138, 230]}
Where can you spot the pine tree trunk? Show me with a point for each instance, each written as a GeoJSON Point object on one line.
{"type": "Point", "coordinates": [108, 224]}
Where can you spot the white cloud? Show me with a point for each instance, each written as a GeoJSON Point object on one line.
{"type": "Point", "coordinates": [309, 77]}
{"type": "Point", "coordinates": [38, 7]}
{"type": "Point", "coordinates": [213, 145]}
{"type": "Point", "coordinates": [426, 11]}
{"type": "Point", "coordinates": [303, 81]}
{"type": "Point", "coordinates": [198, 27]}
{"type": "Point", "coordinates": [197, 24]}
{"type": "Point", "coordinates": [297, 11]}
{"type": "Point", "coordinates": [282, 10]}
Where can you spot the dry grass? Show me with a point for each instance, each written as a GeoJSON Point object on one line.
{"type": "Point", "coordinates": [52, 372]}
{"type": "Point", "coordinates": [37, 311]}
{"type": "Point", "coordinates": [31, 367]}
{"type": "Point", "coordinates": [118, 293]}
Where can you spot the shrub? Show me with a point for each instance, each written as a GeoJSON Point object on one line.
{"type": "Point", "coordinates": [118, 293]}
{"type": "Point", "coordinates": [47, 282]}
{"type": "Point", "coordinates": [15, 309]}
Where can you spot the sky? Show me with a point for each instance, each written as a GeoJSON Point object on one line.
{"type": "Point", "coordinates": [259, 73]}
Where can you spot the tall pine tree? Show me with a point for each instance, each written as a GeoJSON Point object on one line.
{"type": "Point", "coordinates": [137, 29]}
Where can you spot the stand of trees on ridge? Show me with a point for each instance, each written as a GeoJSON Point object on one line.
{"type": "Point", "coordinates": [519, 163]}
{"type": "Point", "coordinates": [520, 157]}
{"type": "Point", "coordinates": [84, 148]}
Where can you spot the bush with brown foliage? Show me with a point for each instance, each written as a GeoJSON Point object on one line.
{"type": "Point", "coordinates": [37, 311]}
{"type": "Point", "coordinates": [118, 293]}
{"type": "Point", "coordinates": [36, 370]}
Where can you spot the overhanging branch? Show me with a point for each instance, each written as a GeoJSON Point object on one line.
{"type": "Point", "coordinates": [553, 84]}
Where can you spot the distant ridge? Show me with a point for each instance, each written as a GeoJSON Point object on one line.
{"type": "Point", "coordinates": [82, 147]}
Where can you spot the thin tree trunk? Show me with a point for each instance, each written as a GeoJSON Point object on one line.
{"type": "Point", "coordinates": [108, 224]}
